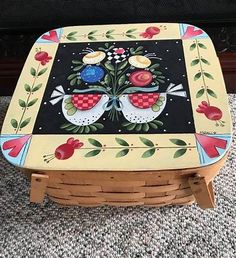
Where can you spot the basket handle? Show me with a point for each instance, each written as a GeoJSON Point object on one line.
{"type": "Point", "coordinates": [202, 191]}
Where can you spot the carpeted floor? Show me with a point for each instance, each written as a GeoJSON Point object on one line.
{"type": "Point", "coordinates": [29, 230]}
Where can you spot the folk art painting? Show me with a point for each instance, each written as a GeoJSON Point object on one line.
{"type": "Point", "coordinates": [120, 97]}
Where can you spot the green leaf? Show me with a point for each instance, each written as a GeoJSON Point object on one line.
{"type": "Point", "coordinates": [121, 80]}
{"type": "Point", "coordinates": [130, 127]}
{"type": "Point", "coordinates": [154, 126]}
{"type": "Point", "coordinates": [71, 33]}
{"type": "Point", "coordinates": [76, 129]}
{"type": "Point", "coordinates": [197, 76]}
{"type": "Point", "coordinates": [71, 38]}
{"type": "Point", "coordinates": [193, 46]}
{"type": "Point", "coordinates": [110, 31]}
{"type": "Point", "coordinates": [87, 129]}
{"type": "Point", "coordinates": [205, 61]}
{"type": "Point", "coordinates": [145, 127]}
{"type": "Point", "coordinates": [202, 46]}
{"type": "Point", "coordinates": [71, 76]}
{"type": "Point", "coordinates": [98, 125]}
{"type": "Point", "coordinates": [109, 36]}
{"type": "Point", "coordinates": [25, 122]}
{"type": "Point", "coordinates": [208, 76]}
{"type": "Point", "coordinates": [121, 142]}
{"type": "Point", "coordinates": [14, 123]}
{"type": "Point", "coordinates": [126, 123]}
{"type": "Point", "coordinates": [81, 129]}
{"type": "Point", "coordinates": [154, 66]}
{"type": "Point", "coordinates": [178, 142]}
{"type": "Point", "coordinates": [148, 153]}
{"type": "Point", "coordinates": [200, 93]}
{"type": "Point", "coordinates": [155, 108]}
{"type": "Point", "coordinates": [37, 87]}
{"type": "Point", "coordinates": [158, 122]}
{"type": "Point", "coordinates": [92, 153]}
{"type": "Point", "coordinates": [146, 141]}
{"type": "Point", "coordinates": [71, 111]}
{"type": "Point", "coordinates": [161, 81]}
{"type": "Point", "coordinates": [27, 88]}
{"type": "Point", "coordinates": [92, 32]}
{"type": "Point", "coordinates": [77, 68]}
{"type": "Point", "coordinates": [211, 93]}
{"type": "Point", "coordinates": [122, 65]}
{"type": "Point", "coordinates": [63, 126]}
{"type": "Point", "coordinates": [180, 153]}
{"type": "Point", "coordinates": [73, 82]}
{"type": "Point", "coordinates": [122, 153]}
{"type": "Point", "coordinates": [42, 71]}
{"type": "Point", "coordinates": [71, 128]}
{"type": "Point", "coordinates": [32, 102]}
{"type": "Point", "coordinates": [94, 142]}
{"type": "Point", "coordinates": [32, 71]}
{"type": "Point", "coordinates": [68, 100]}
{"type": "Point", "coordinates": [109, 66]}
{"type": "Point", "coordinates": [130, 31]}
{"type": "Point", "coordinates": [130, 36]}
{"type": "Point", "coordinates": [69, 105]}
{"type": "Point", "coordinates": [75, 61]}
{"type": "Point", "coordinates": [138, 127]}
{"type": "Point", "coordinates": [194, 62]}
{"type": "Point", "coordinates": [157, 72]}
{"type": "Point", "coordinates": [91, 38]}
{"type": "Point", "coordinates": [139, 48]}
{"type": "Point", "coordinates": [107, 79]}
{"type": "Point", "coordinates": [22, 103]}
{"type": "Point", "coordinates": [93, 128]}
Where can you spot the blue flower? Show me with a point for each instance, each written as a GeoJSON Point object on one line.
{"type": "Point", "coordinates": [92, 74]}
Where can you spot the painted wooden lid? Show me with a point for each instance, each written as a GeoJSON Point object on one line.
{"type": "Point", "coordinates": [119, 97]}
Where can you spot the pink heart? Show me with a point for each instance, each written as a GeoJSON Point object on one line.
{"type": "Point", "coordinates": [191, 32]}
{"type": "Point", "coordinates": [209, 144]}
{"type": "Point", "coordinates": [16, 145]}
{"type": "Point", "coordinates": [52, 36]}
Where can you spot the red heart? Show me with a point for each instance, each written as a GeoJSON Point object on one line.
{"type": "Point", "coordinates": [16, 145]}
{"type": "Point", "coordinates": [209, 144]}
{"type": "Point", "coordinates": [191, 32]}
{"type": "Point", "coordinates": [52, 36]}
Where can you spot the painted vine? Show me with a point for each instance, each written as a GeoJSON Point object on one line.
{"type": "Point", "coordinates": [30, 89]}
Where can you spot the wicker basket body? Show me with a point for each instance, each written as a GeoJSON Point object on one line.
{"type": "Point", "coordinates": [156, 188]}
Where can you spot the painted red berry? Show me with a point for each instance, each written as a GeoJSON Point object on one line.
{"type": "Point", "coordinates": [64, 151]}
{"type": "Point", "coordinates": [211, 112]}
{"type": "Point", "coordinates": [150, 32]}
{"type": "Point", "coordinates": [42, 57]}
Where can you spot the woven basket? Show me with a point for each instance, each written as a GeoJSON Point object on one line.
{"type": "Point", "coordinates": [156, 188]}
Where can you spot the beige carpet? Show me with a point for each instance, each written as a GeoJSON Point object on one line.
{"type": "Point", "coordinates": [29, 230]}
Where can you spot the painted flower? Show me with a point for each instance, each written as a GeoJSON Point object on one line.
{"type": "Point", "coordinates": [94, 57]}
{"type": "Point", "coordinates": [119, 51]}
{"type": "Point", "coordinates": [42, 57]}
{"type": "Point", "coordinates": [92, 74]}
{"type": "Point", "coordinates": [150, 32]}
{"type": "Point", "coordinates": [140, 78]}
{"type": "Point", "coordinates": [139, 61]}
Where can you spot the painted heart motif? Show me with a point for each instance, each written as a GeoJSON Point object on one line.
{"type": "Point", "coordinates": [209, 144]}
{"type": "Point", "coordinates": [191, 32]}
{"type": "Point", "coordinates": [52, 36]}
{"type": "Point", "coordinates": [16, 145]}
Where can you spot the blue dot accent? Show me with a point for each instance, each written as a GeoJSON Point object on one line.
{"type": "Point", "coordinates": [92, 74]}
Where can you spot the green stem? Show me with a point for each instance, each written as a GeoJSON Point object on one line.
{"type": "Point", "coordinates": [27, 100]}
{"type": "Point", "coordinates": [201, 69]}
{"type": "Point", "coordinates": [111, 77]}
{"type": "Point", "coordinates": [141, 147]}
